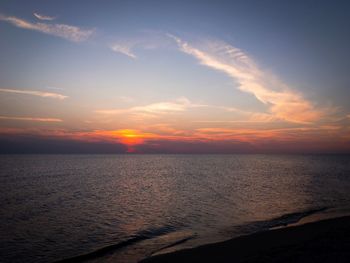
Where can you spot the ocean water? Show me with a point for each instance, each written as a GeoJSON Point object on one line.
{"type": "Point", "coordinates": [123, 208]}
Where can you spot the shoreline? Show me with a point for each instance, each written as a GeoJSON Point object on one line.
{"type": "Point", "coordinates": [321, 241]}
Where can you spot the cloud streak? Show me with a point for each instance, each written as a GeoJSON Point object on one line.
{"type": "Point", "coordinates": [44, 17]}
{"type": "Point", "coordinates": [30, 119]}
{"type": "Point", "coordinates": [178, 105]}
{"type": "Point", "coordinates": [146, 40]}
{"type": "Point", "coordinates": [71, 33]}
{"type": "Point", "coordinates": [182, 105]}
{"type": "Point", "coordinates": [283, 102]}
{"type": "Point", "coordinates": [36, 93]}
{"type": "Point", "coordinates": [123, 49]}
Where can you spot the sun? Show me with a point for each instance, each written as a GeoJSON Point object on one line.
{"type": "Point", "coordinates": [130, 137]}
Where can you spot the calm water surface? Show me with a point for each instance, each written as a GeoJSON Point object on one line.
{"type": "Point", "coordinates": [123, 208]}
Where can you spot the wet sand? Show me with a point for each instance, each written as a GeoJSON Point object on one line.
{"type": "Point", "coordinates": [323, 241]}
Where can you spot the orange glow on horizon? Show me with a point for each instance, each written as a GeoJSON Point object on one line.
{"type": "Point", "coordinates": [127, 137]}
{"type": "Point", "coordinates": [259, 138]}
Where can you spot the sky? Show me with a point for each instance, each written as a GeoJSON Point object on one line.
{"type": "Point", "coordinates": [174, 76]}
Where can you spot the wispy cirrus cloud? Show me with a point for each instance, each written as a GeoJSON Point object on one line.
{"type": "Point", "coordinates": [123, 49]}
{"type": "Point", "coordinates": [30, 119]}
{"type": "Point", "coordinates": [36, 93]}
{"type": "Point", "coordinates": [283, 102]}
{"type": "Point", "coordinates": [72, 33]}
{"type": "Point", "coordinates": [44, 17]}
{"type": "Point", "coordinates": [182, 105]}
{"type": "Point", "coordinates": [145, 40]}
{"type": "Point", "coordinates": [178, 105]}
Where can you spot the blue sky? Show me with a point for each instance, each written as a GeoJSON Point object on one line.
{"type": "Point", "coordinates": [254, 72]}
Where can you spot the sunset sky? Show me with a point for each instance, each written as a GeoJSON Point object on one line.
{"type": "Point", "coordinates": [174, 76]}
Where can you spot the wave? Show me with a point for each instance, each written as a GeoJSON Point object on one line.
{"type": "Point", "coordinates": [281, 221]}
{"type": "Point", "coordinates": [178, 242]}
{"type": "Point", "coordinates": [139, 236]}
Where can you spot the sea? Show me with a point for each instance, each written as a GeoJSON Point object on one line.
{"type": "Point", "coordinates": [125, 208]}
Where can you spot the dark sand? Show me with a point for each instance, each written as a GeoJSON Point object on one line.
{"type": "Point", "coordinates": [323, 241]}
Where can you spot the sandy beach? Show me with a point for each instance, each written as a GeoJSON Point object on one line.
{"type": "Point", "coordinates": [322, 241]}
